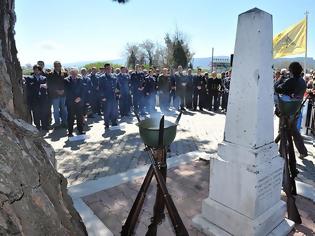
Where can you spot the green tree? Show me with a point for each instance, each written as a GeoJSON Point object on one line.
{"type": "Point", "coordinates": [132, 60]}
{"type": "Point", "coordinates": [100, 64]}
{"type": "Point", "coordinates": [148, 48]}
{"type": "Point", "coordinates": [179, 55]}
{"type": "Point", "coordinates": [177, 50]}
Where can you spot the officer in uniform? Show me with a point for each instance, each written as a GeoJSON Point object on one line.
{"type": "Point", "coordinates": [199, 87]}
{"type": "Point", "coordinates": [37, 98]}
{"type": "Point", "coordinates": [75, 92]}
{"type": "Point", "coordinates": [180, 83]}
{"type": "Point", "coordinates": [137, 86]}
{"type": "Point", "coordinates": [95, 98]}
{"type": "Point", "coordinates": [123, 80]}
{"type": "Point", "coordinates": [108, 93]}
{"type": "Point", "coordinates": [150, 91]}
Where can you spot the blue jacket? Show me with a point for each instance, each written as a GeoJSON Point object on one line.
{"type": "Point", "coordinates": [88, 86]}
{"type": "Point", "coordinates": [34, 91]}
{"type": "Point", "coordinates": [74, 89]}
{"type": "Point", "coordinates": [95, 82]}
{"type": "Point", "coordinates": [123, 81]}
{"type": "Point", "coordinates": [108, 86]}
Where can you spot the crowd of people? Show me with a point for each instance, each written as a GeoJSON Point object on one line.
{"type": "Point", "coordinates": [114, 92]}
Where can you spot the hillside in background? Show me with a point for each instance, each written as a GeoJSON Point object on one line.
{"type": "Point", "coordinates": [205, 62]}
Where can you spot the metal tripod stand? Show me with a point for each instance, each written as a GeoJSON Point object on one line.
{"type": "Point", "coordinates": [158, 168]}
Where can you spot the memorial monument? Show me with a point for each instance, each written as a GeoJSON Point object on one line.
{"type": "Point", "coordinates": [246, 174]}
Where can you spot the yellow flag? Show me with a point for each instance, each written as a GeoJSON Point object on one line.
{"type": "Point", "coordinates": [290, 41]}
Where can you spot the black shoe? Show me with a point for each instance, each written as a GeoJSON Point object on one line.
{"type": "Point", "coordinates": [81, 133]}
{"type": "Point", "coordinates": [114, 124]}
{"type": "Point", "coordinates": [70, 135]}
{"type": "Point", "coordinates": [302, 156]}
{"type": "Point", "coordinates": [201, 109]}
{"type": "Point", "coordinates": [106, 126]}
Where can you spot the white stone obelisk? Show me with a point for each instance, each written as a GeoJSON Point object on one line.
{"type": "Point", "coordinates": [246, 174]}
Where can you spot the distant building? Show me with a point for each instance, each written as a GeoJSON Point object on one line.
{"type": "Point", "coordinates": [220, 64]}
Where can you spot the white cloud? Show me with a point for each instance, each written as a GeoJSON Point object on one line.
{"type": "Point", "coordinates": [49, 45]}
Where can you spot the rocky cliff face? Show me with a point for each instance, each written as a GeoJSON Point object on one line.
{"type": "Point", "coordinates": [33, 195]}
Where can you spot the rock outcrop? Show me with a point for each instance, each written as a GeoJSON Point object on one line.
{"type": "Point", "coordinates": [33, 195]}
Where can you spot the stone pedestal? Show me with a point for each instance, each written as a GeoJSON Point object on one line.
{"type": "Point", "coordinates": [246, 174]}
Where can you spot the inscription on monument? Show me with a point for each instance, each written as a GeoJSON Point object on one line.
{"type": "Point", "coordinates": [269, 184]}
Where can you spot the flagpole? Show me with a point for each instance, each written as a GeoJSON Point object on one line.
{"type": "Point", "coordinates": [305, 58]}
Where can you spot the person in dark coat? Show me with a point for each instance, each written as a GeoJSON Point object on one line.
{"type": "Point", "coordinates": [172, 96]}
{"type": "Point", "coordinates": [225, 90]}
{"type": "Point", "coordinates": [215, 91]}
{"type": "Point", "coordinates": [37, 98]}
{"type": "Point", "coordinates": [199, 86]}
{"type": "Point", "coordinates": [108, 92]}
{"type": "Point", "coordinates": [180, 83]}
{"type": "Point", "coordinates": [88, 86]}
{"type": "Point", "coordinates": [294, 87]}
{"type": "Point", "coordinates": [75, 92]}
{"type": "Point", "coordinates": [163, 85]}
{"type": "Point", "coordinates": [189, 90]}
{"type": "Point", "coordinates": [56, 91]}
{"type": "Point", "coordinates": [137, 86]}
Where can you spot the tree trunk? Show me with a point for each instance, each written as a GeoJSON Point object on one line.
{"type": "Point", "coordinates": [33, 195]}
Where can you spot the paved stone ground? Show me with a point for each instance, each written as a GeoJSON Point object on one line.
{"type": "Point", "coordinates": [188, 184]}
{"type": "Point", "coordinates": [116, 151]}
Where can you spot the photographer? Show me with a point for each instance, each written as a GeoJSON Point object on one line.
{"type": "Point", "coordinates": [293, 87]}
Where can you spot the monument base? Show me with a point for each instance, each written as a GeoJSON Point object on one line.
{"type": "Point", "coordinates": [270, 223]}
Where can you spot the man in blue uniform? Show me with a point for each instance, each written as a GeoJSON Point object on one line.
{"type": "Point", "coordinates": [95, 102]}
{"type": "Point", "coordinates": [37, 98]}
{"type": "Point", "coordinates": [123, 80]}
{"type": "Point", "coordinates": [137, 86]}
{"type": "Point", "coordinates": [75, 100]}
{"type": "Point", "coordinates": [150, 92]}
{"type": "Point", "coordinates": [108, 91]}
